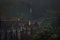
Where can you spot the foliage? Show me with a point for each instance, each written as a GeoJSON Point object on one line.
{"type": "Point", "coordinates": [44, 34]}
{"type": "Point", "coordinates": [46, 31]}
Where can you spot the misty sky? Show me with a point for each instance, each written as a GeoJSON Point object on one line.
{"type": "Point", "coordinates": [22, 7]}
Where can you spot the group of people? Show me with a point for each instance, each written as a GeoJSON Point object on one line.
{"type": "Point", "coordinates": [17, 30]}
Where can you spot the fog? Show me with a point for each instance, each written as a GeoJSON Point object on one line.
{"type": "Point", "coordinates": [39, 8]}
